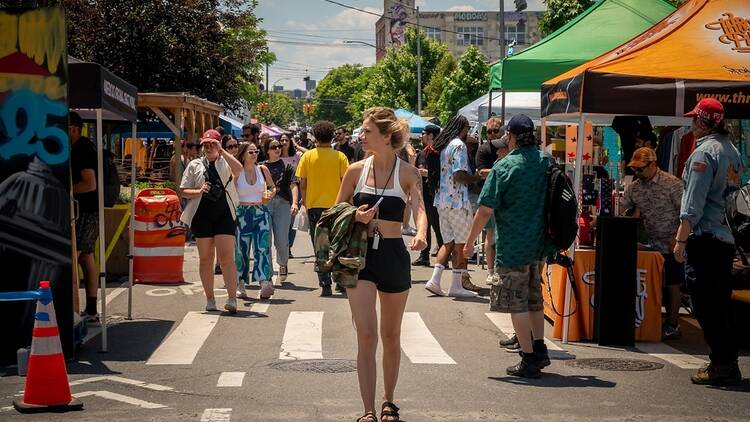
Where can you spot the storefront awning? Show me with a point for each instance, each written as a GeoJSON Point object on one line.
{"type": "Point", "coordinates": [92, 86]}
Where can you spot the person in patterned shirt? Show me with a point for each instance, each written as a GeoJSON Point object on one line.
{"type": "Point", "coordinates": [656, 195]}
{"type": "Point", "coordinates": [452, 202]}
{"type": "Point", "coordinates": [514, 192]}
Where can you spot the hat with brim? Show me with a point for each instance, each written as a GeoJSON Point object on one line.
{"type": "Point", "coordinates": [500, 143]}
{"type": "Point", "coordinates": [642, 157]}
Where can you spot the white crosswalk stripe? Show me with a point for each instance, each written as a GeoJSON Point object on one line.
{"type": "Point", "coordinates": [303, 336]}
{"type": "Point", "coordinates": [183, 344]}
{"type": "Point", "coordinates": [503, 323]}
{"type": "Point", "coordinates": [418, 343]}
{"type": "Point", "coordinates": [671, 355]}
{"type": "Point", "coordinates": [231, 379]}
{"type": "Point", "coordinates": [217, 415]}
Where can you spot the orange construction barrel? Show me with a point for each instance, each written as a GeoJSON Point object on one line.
{"type": "Point", "coordinates": [159, 237]}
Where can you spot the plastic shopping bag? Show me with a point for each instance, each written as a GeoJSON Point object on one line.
{"type": "Point", "coordinates": [301, 221]}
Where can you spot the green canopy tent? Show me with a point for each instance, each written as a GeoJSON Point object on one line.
{"type": "Point", "coordinates": [602, 27]}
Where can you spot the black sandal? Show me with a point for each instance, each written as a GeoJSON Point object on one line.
{"type": "Point", "coordinates": [368, 417]}
{"type": "Point", "coordinates": [389, 409]}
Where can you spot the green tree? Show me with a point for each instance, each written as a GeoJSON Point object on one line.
{"type": "Point", "coordinates": [434, 89]}
{"type": "Point", "coordinates": [210, 48]}
{"type": "Point", "coordinates": [465, 84]}
{"type": "Point", "coordinates": [334, 92]}
{"type": "Point", "coordinates": [279, 110]}
{"type": "Point", "coordinates": [560, 12]}
{"type": "Point", "coordinates": [394, 81]}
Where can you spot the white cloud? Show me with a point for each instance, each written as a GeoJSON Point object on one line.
{"type": "Point", "coordinates": [354, 19]}
{"type": "Point", "coordinates": [301, 25]}
{"type": "Point", "coordinates": [462, 8]}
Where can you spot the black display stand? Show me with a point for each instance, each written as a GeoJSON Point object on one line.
{"type": "Point", "coordinates": [615, 288]}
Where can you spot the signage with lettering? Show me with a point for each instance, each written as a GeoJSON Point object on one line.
{"type": "Point", "coordinates": [470, 16]}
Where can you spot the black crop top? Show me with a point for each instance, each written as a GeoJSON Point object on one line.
{"type": "Point", "coordinates": [394, 199]}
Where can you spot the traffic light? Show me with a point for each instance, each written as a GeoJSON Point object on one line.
{"type": "Point", "coordinates": [308, 109]}
{"type": "Point", "coordinates": [262, 107]}
{"type": "Point", "coordinates": [520, 5]}
{"type": "Point", "coordinates": [306, 78]}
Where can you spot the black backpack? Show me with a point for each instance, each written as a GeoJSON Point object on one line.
{"type": "Point", "coordinates": [111, 180]}
{"type": "Point", "coordinates": [560, 208]}
{"type": "Point", "coordinates": [737, 213]}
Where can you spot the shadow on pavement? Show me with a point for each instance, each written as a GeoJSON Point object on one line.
{"type": "Point", "coordinates": [293, 287]}
{"type": "Point", "coordinates": [478, 299]}
{"type": "Point", "coordinates": [552, 380]}
{"type": "Point", "coordinates": [128, 341]}
{"type": "Point", "coordinates": [244, 314]}
{"type": "Point", "coordinates": [742, 387]}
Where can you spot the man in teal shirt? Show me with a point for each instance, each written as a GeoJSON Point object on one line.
{"type": "Point", "coordinates": [515, 191]}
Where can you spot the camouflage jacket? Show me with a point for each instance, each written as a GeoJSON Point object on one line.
{"type": "Point", "coordinates": [340, 244]}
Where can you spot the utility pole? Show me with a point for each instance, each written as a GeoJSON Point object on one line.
{"type": "Point", "coordinates": [419, 66]}
{"type": "Point", "coordinates": [501, 17]}
{"type": "Point", "coordinates": [267, 88]}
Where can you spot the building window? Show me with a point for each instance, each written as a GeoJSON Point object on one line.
{"type": "Point", "coordinates": [515, 31]}
{"type": "Point", "coordinates": [470, 35]}
{"type": "Point", "coordinates": [434, 34]}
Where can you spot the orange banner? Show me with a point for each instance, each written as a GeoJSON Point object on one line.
{"type": "Point", "coordinates": [648, 300]}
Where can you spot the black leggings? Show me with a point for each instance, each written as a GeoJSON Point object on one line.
{"type": "Point", "coordinates": [433, 221]}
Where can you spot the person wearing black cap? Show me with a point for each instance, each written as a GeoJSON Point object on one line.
{"type": "Point", "coordinates": [515, 190]}
{"type": "Point", "coordinates": [429, 133]}
{"type": "Point", "coordinates": [83, 165]}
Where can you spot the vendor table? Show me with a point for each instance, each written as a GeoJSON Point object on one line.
{"type": "Point", "coordinates": [648, 301]}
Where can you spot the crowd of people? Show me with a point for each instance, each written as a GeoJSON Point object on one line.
{"type": "Point", "coordinates": [243, 194]}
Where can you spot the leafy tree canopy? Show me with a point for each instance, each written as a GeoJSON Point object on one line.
{"type": "Point", "coordinates": [335, 91]}
{"type": "Point", "coordinates": [465, 84]}
{"type": "Point", "coordinates": [210, 48]}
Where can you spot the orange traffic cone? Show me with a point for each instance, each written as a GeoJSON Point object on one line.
{"type": "Point", "coordinates": [47, 387]}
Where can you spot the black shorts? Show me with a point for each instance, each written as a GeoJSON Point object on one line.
{"type": "Point", "coordinates": [674, 272]}
{"type": "Point", "coordinates": [389, 267]}
{"type": "Point", "coordinates": [213, 218]}
{"type": "Point", "coordinates": [87, 231]}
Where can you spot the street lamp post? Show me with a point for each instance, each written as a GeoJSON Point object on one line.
{"type": "Point", "coordinates": [419, 66]}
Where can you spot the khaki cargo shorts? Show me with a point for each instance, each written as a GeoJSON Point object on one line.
{"type": "Point", "coordinates": [517, 289]}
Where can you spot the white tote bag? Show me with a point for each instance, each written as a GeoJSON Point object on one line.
{"type": "Point", "coordinates": [301, 221]}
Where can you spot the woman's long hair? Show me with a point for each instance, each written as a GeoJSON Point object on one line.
{"type": "Point", "coordinates": [451, 132]}
{"type": "Point", "coordinates": [292, 151]}
{"type": "Point", "coordinates": [242, 153]}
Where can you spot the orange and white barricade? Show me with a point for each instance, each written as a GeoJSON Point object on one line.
{"type": "Point", "coordinates": [159, 237]}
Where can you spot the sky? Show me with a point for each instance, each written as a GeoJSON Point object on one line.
{"type": "Point", "coordinates": [308, 35]}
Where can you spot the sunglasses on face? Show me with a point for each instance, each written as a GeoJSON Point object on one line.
{"type": "Point", "coordinates": [640, 169]}
{"type": "Point", "coordinates": [274, 147]}
{"type": "Point", "coordinates": [232, 146]}
{"type": "Point", "coordinates": [253, 152]}
{"type": "Point", "coordinates": [493, 130]}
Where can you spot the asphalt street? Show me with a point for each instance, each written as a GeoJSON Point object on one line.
{"type": "Point", "coordinates": [292, 358]}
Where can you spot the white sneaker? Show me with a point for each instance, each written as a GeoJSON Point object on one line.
{"type": "Point", "coordinates": [434, 288]}
{"type": "Point", "coordinates": [241, 291]}
{"type": "Point", "coordinates": [266, 290]}
{"type": "Point", "coordinates": [231, 306]}
{"type": "Point", "coordinates": [211, 305]}
{"type": "Point", "coordinates": [491, 279]}
{"type": "Point", "coordinates": [283, 272]}
{"type": "Point", "coordinates": [461, 292]}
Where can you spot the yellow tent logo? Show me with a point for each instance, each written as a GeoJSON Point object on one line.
{"type": "Point", "coordinates": [736, 30]}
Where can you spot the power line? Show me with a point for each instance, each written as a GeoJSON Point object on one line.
{"type": "Point", "coordinates": [319, 30]}
{"type": "Point", "coordinates": [410, 22]}
{"type": "Point", "coordinates": [288, 34]}
{"type": "Point", "coordinates": [315, 44]}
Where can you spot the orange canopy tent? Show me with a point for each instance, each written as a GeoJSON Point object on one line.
{"type": "Point", "coordinates": [701, 50]}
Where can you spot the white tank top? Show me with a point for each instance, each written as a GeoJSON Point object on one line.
{"type": "Point", "coordinates": [248, 192]}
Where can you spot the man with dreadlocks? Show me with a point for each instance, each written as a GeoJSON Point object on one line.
{"type": "Point", "coordinates": [449, 177]}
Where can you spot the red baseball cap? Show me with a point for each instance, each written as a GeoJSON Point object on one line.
{"type": "Point", "coordinates": [708, 109]}
{"type": "Point", "coordinates": [211, 134]}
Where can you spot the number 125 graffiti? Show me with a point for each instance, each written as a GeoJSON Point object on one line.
{"type": "Point", "coordinates": [34, 136]}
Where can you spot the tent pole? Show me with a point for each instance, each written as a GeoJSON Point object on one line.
{"type": "Point", "coordinates": [131, 232]}
{"type": "Point", "coordinates": [577, 175]}
{"type": "Point", "coordinates": [544, 133]}
{"type": "Point", "coordinates": [102, 239]}
{"type": "Point", "coordinates": [502, 106]}
{"type": "Point", "coordinates": [489, 107]}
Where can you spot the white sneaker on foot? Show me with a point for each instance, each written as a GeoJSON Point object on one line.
{"type": "Point", "coordinates": [461, 292]}
{"type": "Point", "coordinates": [491, 279]}
{"type": "Point", "coordinates": [241, 291]}
{"type": "Point", "coordinates": [231, 306]}
{"type": "Point", "coordinates": [266, 290]}
{"type": "Point", "coordinates": [283, 272]}
{"type": "Point", "coordinates": [434, 288]}
{"type": "Point", "coordinates": [211, 305]}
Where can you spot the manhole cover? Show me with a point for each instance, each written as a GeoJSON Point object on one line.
{"type": "Point", "coordinates": [609, 364]}
{"type": "Point", "coordinates": [320, 366]}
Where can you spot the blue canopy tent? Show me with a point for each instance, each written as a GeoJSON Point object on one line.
{"type": "Point", "coordinates": [230, 125]}
{"type": "Point", "coordinates": [416, 122]}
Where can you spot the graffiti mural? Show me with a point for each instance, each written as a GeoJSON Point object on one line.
{"type": "Point", "coordinates": [397, 32]}
{"type": "Point", "coordinates": [34, 169]}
